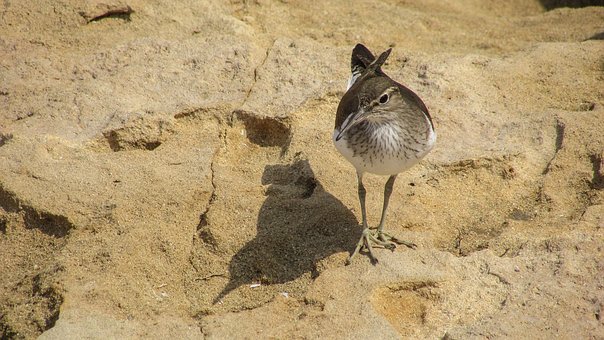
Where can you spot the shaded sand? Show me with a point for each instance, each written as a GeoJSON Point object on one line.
{"type": "Point", "coordinates": [166, 170]}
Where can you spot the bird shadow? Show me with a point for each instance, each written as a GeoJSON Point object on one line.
{"type": "Point", "coordinates": [299, 224]}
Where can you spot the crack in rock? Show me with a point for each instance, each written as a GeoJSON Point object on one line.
{"type": "Point", "coordinates": [560, 127]}
{"type": "Point", "coordinates": [249, 92]}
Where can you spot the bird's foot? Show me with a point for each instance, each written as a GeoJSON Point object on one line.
{"type": "Point", "coordinates": [385, 237]}
{"type": "Point", "coordinates": [374, 237]}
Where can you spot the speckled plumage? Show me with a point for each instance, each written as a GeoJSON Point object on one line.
{"type": "Point", "coordinates": [381, 127]}
{"type": "Point", "coordinates": [391, 137]}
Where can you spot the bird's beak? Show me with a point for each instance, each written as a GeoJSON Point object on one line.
{"type": "Point", "coordinates": [352, 120]}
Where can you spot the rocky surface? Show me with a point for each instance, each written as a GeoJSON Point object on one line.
{"type": "Point", "coordinates": [166, 170]}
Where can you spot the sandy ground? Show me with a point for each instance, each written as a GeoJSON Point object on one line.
{"type": "Point", "coordinates": [166, 170]}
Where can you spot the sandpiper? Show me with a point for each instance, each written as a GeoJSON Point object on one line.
{"type": "Point", "coordinates": [383, 128]}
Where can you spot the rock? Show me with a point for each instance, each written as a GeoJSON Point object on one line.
{"type": "Point", "coordinates": [167, 170]}
{"type": "Point", "coordinates": [97, 10]}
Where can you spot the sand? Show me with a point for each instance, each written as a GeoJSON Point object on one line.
{"type": "Point", "coordinates": [167, 170]}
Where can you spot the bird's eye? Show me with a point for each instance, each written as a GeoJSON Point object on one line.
{"type": "Point", "coordinates": [384, 98]}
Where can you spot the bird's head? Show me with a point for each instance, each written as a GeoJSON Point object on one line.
{"type": "Point", "coordinates": [372, 96]}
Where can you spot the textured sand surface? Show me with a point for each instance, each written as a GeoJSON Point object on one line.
{"type": "Point", "coordinates": [166, 170]}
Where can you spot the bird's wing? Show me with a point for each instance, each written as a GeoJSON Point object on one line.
{"type": "Point", "coordinates": [361, 58]}
{"type": "Point", "coordinates": [412, 98]}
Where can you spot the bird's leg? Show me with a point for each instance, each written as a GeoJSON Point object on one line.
{"type": "Point", "coordinates": [378, 237]}
{"type": "Point", "coordinates": [387, 240]}
{"type": "Point", "coordinates": [362, 193]}
{"type": "Point", "coordinates": [366, 237]}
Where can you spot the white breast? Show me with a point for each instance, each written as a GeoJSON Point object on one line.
{"type": "Point", "coordinates": [394, 159]}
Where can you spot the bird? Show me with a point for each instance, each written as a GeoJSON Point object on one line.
{"type": "Point", "coordinates": [382, 128]}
